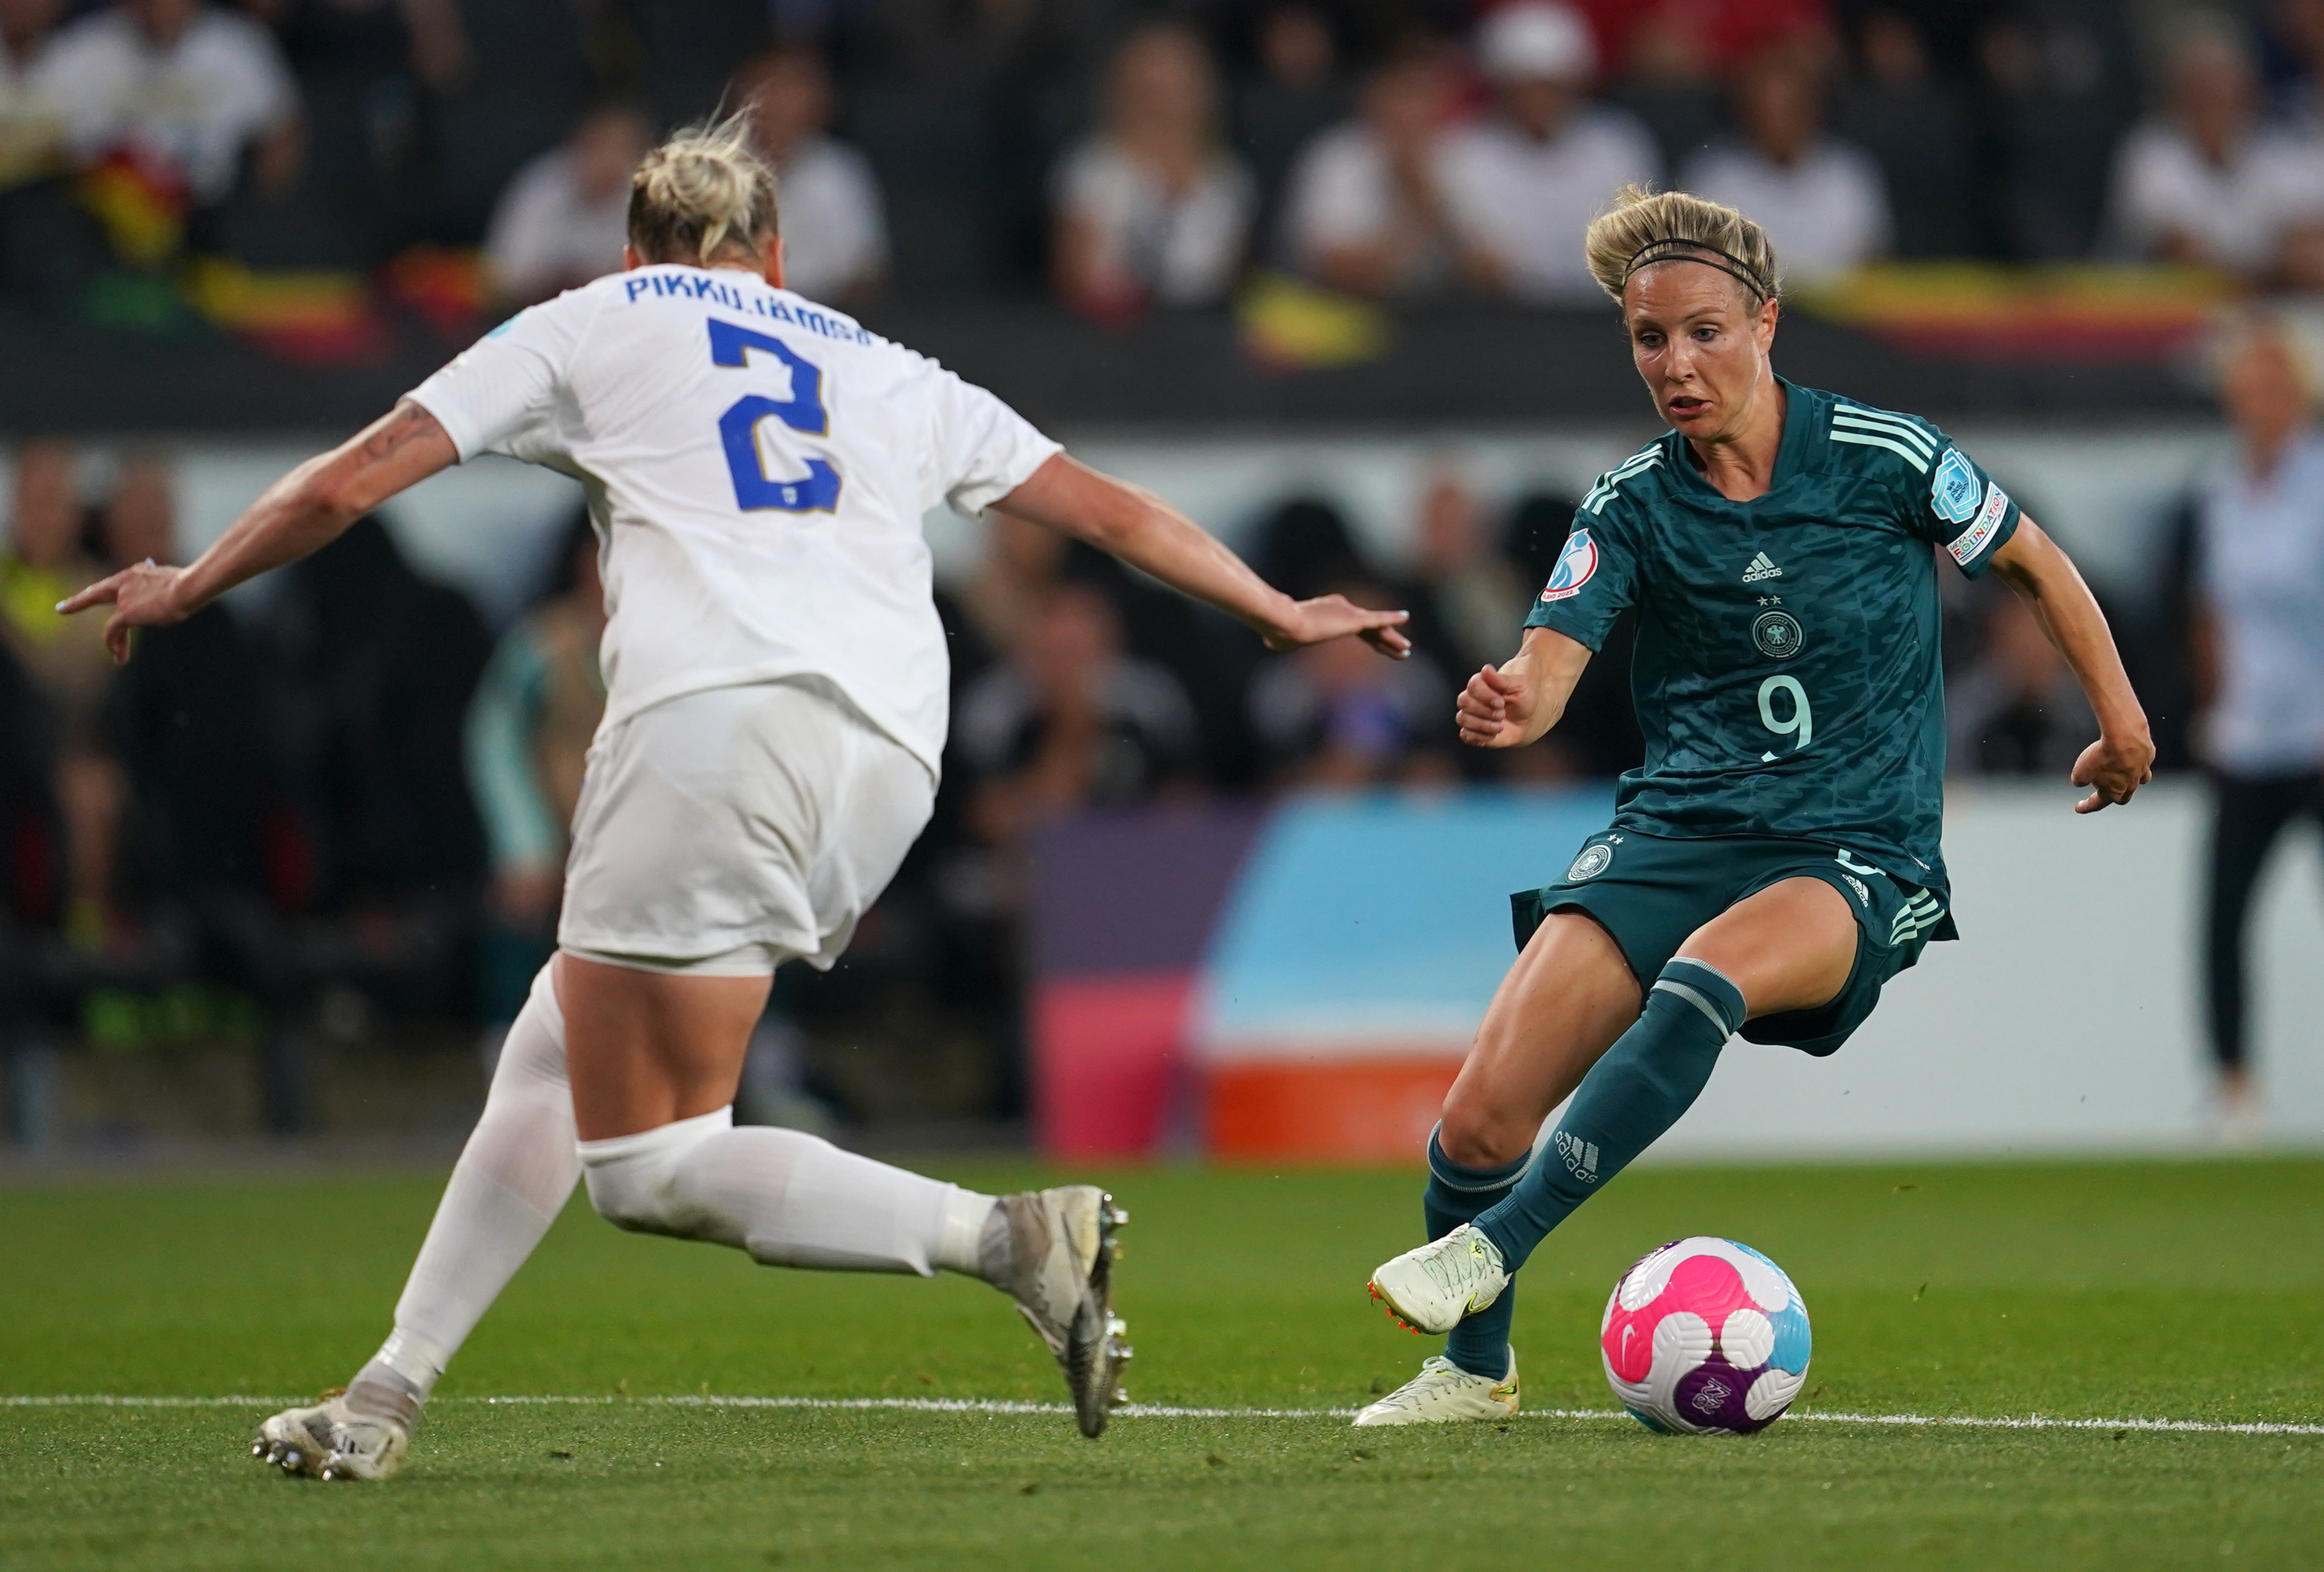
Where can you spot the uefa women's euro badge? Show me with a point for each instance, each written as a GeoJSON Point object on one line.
{"type": "Point", "coordinates": [1575, 564]}
{"type": "Point", "coordinates": [1956, 491]}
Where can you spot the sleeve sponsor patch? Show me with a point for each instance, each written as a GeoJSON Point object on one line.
{"type": "Point", "coordinates": [1966, 546]}
{"type": "Point", "coordinates": [1574, 566]}
{"type": "Point", "coordinates": [1956, 490]}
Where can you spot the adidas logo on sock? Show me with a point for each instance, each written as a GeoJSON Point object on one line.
{"type": "Point", "coordinates": [1580, 1156]}
{"type": "Point", "coordinates": [1761, 569]}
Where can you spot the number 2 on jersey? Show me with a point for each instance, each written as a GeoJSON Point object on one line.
{"type": "Point", "coordinates": [738, 427]}
{"type": "Point", "coordinates": [1801, 721]}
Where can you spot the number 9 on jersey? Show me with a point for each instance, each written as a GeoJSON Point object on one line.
{"type": "Point", "coordinates": [1800, 725]}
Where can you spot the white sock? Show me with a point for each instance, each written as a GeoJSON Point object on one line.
{"type": "Point", "coordinates": [513, 1178]}
{"type": "Point", "coordinates": [789, 1199]}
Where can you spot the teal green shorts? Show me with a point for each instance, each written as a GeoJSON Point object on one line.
{"type": "Point", "coordinates": [1651, 892]}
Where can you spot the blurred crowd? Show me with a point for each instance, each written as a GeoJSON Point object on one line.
{"type": "Point", "coordinates": [261, 817]}
{"type": "Point", "coordinates": [1131, 155]}
{"type": "Point", "coordinates": [345, 795]}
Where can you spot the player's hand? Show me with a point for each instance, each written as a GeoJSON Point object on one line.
{"type": "Point", "coordinates": [1335, 616]}
{"type": "Point", "coordinates": [143, 596]}
{"type": "Point", "coordinates": [1493, 710]}
{"type": "Point", "coordinates": [2113, 768]}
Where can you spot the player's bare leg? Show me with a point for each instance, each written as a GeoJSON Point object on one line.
{"type": "Point", "coordinates": [655, 1061]}
{"type": "Point", "coordinates": [1561, 1006]}
{"type": "Point", "coordinates": [1789, 947]}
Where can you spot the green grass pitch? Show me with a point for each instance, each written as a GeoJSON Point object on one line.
{"type": "Point", "coordinates": [2189, 1291]}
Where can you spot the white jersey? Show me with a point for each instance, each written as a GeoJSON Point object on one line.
{"type": "Point", "coordinates": [757, 467]}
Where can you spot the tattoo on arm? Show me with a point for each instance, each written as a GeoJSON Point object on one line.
{"type": "Point", "coordinates": [406, 421]}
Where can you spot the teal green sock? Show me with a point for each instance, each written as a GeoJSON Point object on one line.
{"type": "Point", "coordinates": [1454, 1196]}
{"type": "Point", "coordinates": [1651, 1075]}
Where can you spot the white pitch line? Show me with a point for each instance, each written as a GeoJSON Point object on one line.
{"type": "Point", "coordinates": [958, 1405]}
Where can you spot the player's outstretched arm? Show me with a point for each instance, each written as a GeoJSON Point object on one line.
{"type": "Point", "coordinates": [1147, 533]}
{"type": "Point", "coordinates": [2122, 759]}
{"type": "Point", "coordinates": [1515, 703]}
{"type": "Point", "coordinates": [298, 515]}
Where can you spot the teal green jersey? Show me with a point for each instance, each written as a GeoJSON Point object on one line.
{"type": "Point", "coordinates": [1787, 675]}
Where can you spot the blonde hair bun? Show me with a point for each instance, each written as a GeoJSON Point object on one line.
{"type": "Point", "coordinates": [702, 194]}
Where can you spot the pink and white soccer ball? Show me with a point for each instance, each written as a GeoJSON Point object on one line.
{"type": "Point", "coordinates": [1705, 1336]}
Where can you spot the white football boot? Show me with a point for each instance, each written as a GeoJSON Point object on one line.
{"type": "Point", "coordinates": [1053, 1251]}
{"type": "Point", "coordinates": [331, 1441]}
{"type": "Point", "coordinates": [1443, 1393]}
{"type": "Point", "coordinates": [1431, 1289]}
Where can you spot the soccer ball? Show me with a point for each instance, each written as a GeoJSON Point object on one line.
{"type": "Point", "coordinates": [1705, 1336]}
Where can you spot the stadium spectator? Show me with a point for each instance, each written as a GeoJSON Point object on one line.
{"type": "Point", "coordinates": [69, 669]}
{"type": "Point", "coordinates": [2205, 183]}
{"type": "Point", "coordinates": [45, 561]}
{"type": "Point", "coordinates": [31, 126]}
{"type": "Point", "coordinates": [1334, 726]}
{"type": "Point", "coordinates": [140, 519]}
{"type": "Point", "coordinates": [1897, 111]}
{"type": "Point", "coordinates": [529, 728]}
{"type": "Point", "coordinates": [178, 93]}
{"type": "Point", "coordinates": [365, 71]}
{"type": "Point", "coordinates": [1020, 564]}
{"type": "Point", "coordinates": [1153, 209]}
{"type": "Point", "coordinates": [565, 218]}
{"type": "Point", "coordinates": [367, 41]}
{"type": "Point", "coordinates": [1036, 46]}
{"type": "Point", "coordinates": [835, 232]}
{"type": "Point", "coordinates": [2297, 31]}
{"type": "Point", "coordinates": [1525, 182]}
{"type": "Point", "coordinates": [1367, 209]}
{"type": "Point", "coordinates": [192, 724]}
{"type": "Point", "coordinates": [1669, 58]}
{"type": "Point", "coordinates": [1468, 602]}
{"type": "Point", "coordinates": [382, 664]}
{"type": "Point", "coordinates": [1296, 93]}
{"type": "Point", "coordinates": [211, 845]}
{"type": "Point", "coordinates": [2017, 709]}
{"type": "Point", "coordinates": [2059, 92]}
{"type": "Point", "coordinates": [49, 244]}
{"type": "Point", "coordinates": [524, 76]}
{"type": "Point", "coordinates": [1304, 545]}
{"type": "Point", "coordinates": [2257, 571]}
{"type": "Point", "coordinates": [1071, 721]}
{"type": "Point", "coordinates": [1706, 38]}
{"type": "Point", "coordinates": [29, 889]}
{"type": "Point", "coordinates": [1819, 198]}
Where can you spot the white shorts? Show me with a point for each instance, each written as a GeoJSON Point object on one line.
{"type": "Point", "coordinates": [726, 832]}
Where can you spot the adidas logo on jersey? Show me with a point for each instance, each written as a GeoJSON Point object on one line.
{"type": "Point", "coordinates": [1761, 569]}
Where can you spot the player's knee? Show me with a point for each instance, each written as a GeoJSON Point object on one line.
{"type": "Point", "coordinates": [1476, 1135]}
{"type": "Point", "coordinates": [633, 1180]}
{"type": "Point", "coordinates": [625, 1198]}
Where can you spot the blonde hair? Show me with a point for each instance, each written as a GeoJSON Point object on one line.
{"type": "Point", "coordinates": [703, 193]}
{"type": "Point", "coordinates": [1641, 227]}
